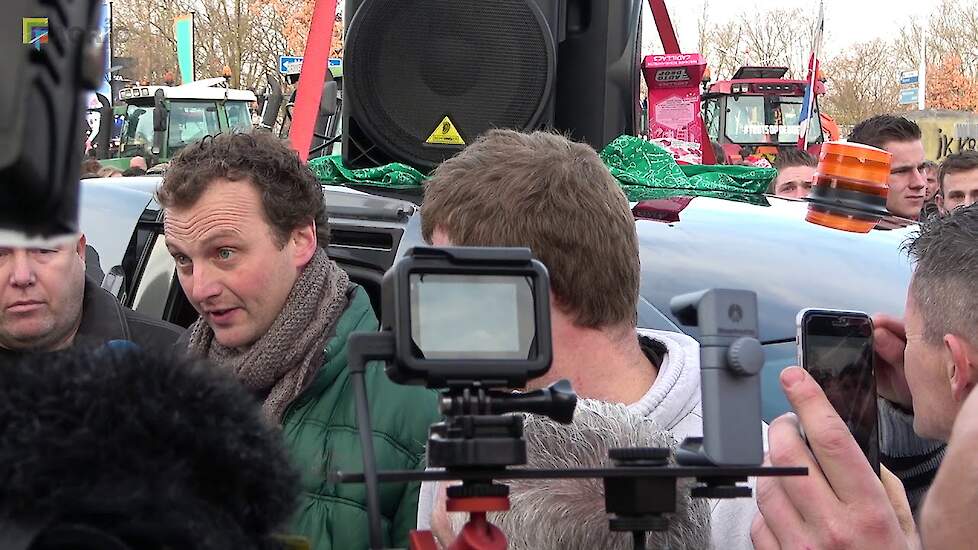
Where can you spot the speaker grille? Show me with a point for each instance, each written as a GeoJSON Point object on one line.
{"type": "Point", "coordinates": [484, 64]}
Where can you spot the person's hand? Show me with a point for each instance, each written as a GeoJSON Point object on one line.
{"type": "Point", "coordinates": [890, 341]}
{"type": "Point", "coordinates": [901, 506]}
{"type": "Point", "coordinates": [441, 523]}
{"type": "Point", "coordinates": [840, 504]}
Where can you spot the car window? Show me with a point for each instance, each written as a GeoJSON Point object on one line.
{"type": "Point", "coordinates": [767, 119]}
{"type": "Point", "coordinates": [138, 128]}
{"type": "Point", "coordinates": [190, 121]}
{"type": "Point", "coordinates": [239, 116]}
{"type": "Point", "coordinates": [108, 216]}
{"type": "Point", "coordinates": [154, 284]}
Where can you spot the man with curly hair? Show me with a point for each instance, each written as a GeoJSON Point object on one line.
{"type": "Point", "coordinates": [246, 223]}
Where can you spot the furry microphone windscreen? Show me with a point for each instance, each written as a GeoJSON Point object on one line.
{"type": "Point", "coordinates": [160, 451]}
{"type": "Point", "coordinates": [569, 514]}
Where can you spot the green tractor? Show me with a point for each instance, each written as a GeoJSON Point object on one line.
{"type": "Point", "coordinates": [161, 120]}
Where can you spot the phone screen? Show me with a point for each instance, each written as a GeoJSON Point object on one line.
{"type": "Point", "coordinates": [837, 350]}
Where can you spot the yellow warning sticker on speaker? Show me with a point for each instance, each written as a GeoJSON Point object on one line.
{"type": "Point", "coordinates": [445, 134]}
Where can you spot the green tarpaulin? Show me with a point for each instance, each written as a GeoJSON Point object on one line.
{"type": "Point", "coordinates": [331, 171]}
{"type": "Point", "coordinates": [644, 170]}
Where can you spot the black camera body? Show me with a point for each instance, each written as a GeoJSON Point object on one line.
{"type": "Point", "coordinates": [464, 316]}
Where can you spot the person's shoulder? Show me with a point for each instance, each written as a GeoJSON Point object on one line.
{"type": "Point", "coordinates": [401, 405]}
{"type": "Point", "coordinates": [153, 333]}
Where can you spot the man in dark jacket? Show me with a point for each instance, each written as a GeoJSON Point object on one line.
{"type": "Point", "coordinates": [246, 224]}
{"type": "Point", "coordinates": [47, 303]}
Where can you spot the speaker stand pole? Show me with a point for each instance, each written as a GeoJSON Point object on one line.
{"type": "Point", "coordinates": [667, 34]}
{"type": "Point", "coordinates": [314, 65]}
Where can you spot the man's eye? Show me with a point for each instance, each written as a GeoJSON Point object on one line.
{"type": "Point", "coordinates": [225, 253]}
{"type": "Point", "coordinates": [181, 260]}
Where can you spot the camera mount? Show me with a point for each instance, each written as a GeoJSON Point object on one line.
{"type": "Point", "coordinates": [479, 443]}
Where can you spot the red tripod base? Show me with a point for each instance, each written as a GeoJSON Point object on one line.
{"type": "Point", "coordinates": [477, 534]}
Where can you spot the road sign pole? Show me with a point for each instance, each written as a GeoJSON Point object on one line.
{"type": "Point", "coordinates": [922, 73]}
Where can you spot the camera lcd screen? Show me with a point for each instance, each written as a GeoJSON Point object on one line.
{"type": "Point", "coordinates": [472, 316]}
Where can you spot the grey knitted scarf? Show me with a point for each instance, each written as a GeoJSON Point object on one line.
{"type": "Point", "coordinates": [283, 362]}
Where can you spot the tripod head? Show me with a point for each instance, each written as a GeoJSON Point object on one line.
{"type": "Point", "coordinates": [477, 432]}
{"type": "Point", "coordinates": [473, 322]}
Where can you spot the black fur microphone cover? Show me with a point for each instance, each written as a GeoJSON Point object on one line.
{"type": "Point", "coordinates": [158, 451]}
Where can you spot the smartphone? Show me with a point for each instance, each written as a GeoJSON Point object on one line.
{"type": "Point", "coordinates": [836, 348]}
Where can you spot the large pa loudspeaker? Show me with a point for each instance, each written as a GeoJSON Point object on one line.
{"type": "Point", "coordinates": [426, 77]}
{"type": "Point", "coordinates": [599, 71]}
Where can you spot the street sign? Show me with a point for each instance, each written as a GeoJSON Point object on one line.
{"type": "Point", "coordinates": [909, 96]}
{"type": "Point", "coordinates": [909, 77]}
{"type": "Point", "coordinates": [288, 64]}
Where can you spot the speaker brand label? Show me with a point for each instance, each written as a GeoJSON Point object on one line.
{"type": "Point", "coordinates": [445, 134]}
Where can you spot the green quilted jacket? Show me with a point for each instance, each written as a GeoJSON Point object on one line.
{"type": "Point", "coordinates": [320, 431]}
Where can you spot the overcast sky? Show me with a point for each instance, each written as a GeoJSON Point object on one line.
{"type": "Point", "coordinates": [846, 21]}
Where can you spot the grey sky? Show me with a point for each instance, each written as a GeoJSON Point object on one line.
{"type": "Point", "coordinates": [846, 21]}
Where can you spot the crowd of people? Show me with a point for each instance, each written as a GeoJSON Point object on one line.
{"type": "Point", "coordinates": [918, 188]}
{"type": "Point", "coordinates": [92, 168]}
{"type": "Point", "coordinates": [245, 222]}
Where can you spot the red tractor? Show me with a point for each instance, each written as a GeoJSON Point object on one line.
{"type": "Point", "coordinates": [757, 112]}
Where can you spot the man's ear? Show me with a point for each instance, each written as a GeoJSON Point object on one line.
{"type": "Point", "coordinates": [304, 244]}
{"type": "Point", "coordinates": [81, 247]}
{"type": "Point", "coordinates": [963, 368]}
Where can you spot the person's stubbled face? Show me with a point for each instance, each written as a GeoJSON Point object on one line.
{"type": "Point", "coordinates": [926, 365]}
{"type": "Point", "coordinates": [794, 181]}
{"type": "Point", "coordinates": [41, 297]}
{"type": "Point", "coordinates": [907, 179]}
{"type": "Point", "coordinates": [933, 186]}
{"type": "Point", "coordinates": [960, 189]}
{"type": "Point", "coordinates": [231, 266]}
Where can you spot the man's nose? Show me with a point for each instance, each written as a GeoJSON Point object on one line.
{"type": "Point", "coordinates": [22, 273]}
{"type": "Point", "coordinates": [205, 284]}
{"type": "Point", "coordinates": [919, 180]}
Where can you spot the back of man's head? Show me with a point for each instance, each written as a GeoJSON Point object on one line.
{"type": "Point", "coordinates": [153, 452]}
{"type": "Point", "coordinates": [131, 172]}
{"type": "Point", "coordinates": [884, 129]}
{"type": "Point", "coordinates": [290, 194]}
{"type": "Point", "coordinates": [556, 197]}
{"type": "Point", "coordinates": [138, 162]}
{"type": "Point", "coordinates": [567, 514]}
{"type": "Point", "coordinates": [90, 168]}
{"type": "Point", "coordinates": [945, 287]}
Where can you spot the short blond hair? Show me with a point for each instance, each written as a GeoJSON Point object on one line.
{"type": "Point", "coordinates": [546, 192]}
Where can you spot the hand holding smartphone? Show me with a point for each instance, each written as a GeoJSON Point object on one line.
{"type": "Point", "coordinates": [836, 348]}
